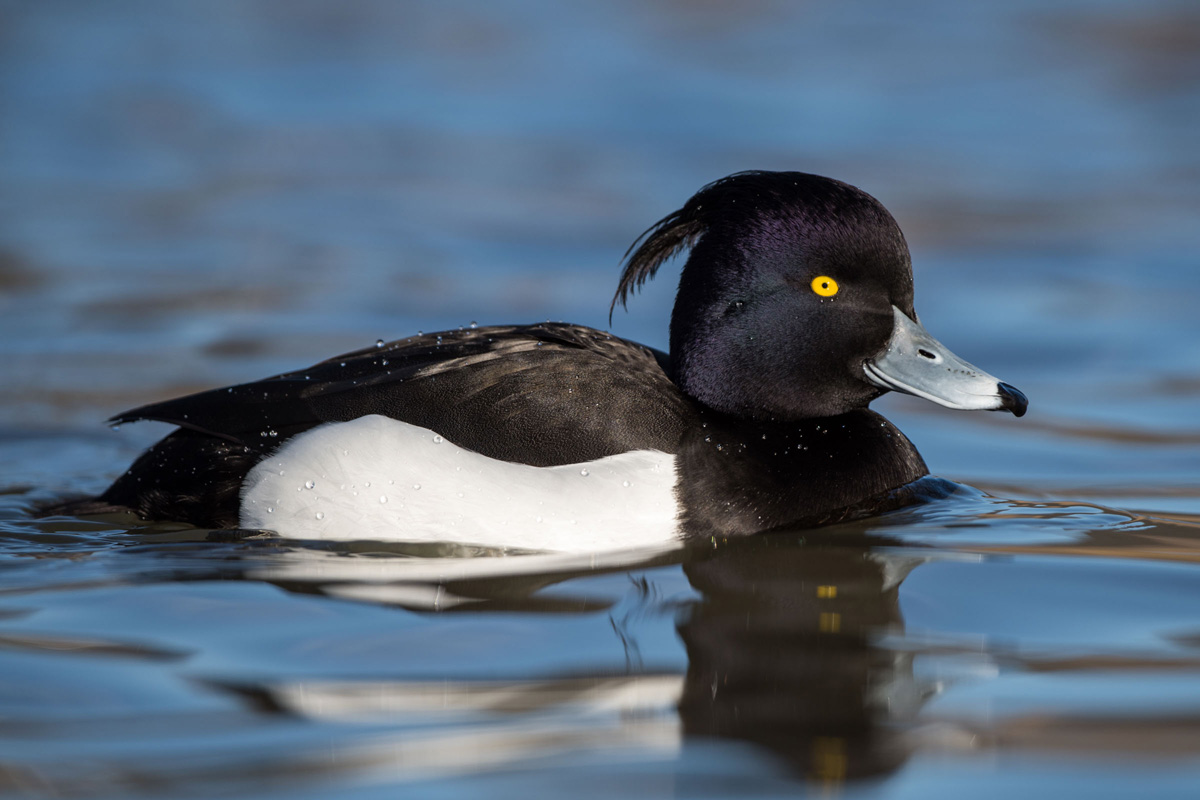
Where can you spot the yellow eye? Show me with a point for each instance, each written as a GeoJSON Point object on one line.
{"type": "Point", "coordinates": [824, 286]}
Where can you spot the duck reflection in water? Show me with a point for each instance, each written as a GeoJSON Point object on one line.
{"type": "Point", "coordinates": [781, 654]}
{"type": "Point", "coordinates": [781, 647]}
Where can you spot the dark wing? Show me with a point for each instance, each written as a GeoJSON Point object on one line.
{"type": "Point", "coordinates": [540, 394]}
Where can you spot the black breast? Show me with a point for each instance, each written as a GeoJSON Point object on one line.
{"type": "Point", "coordinates": [738, 477]}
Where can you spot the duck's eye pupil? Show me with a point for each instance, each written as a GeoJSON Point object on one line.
{"type": "Point", "coordinates": [825, 286]}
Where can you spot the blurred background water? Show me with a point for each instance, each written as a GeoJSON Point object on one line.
{"type": "Point", "coordinates": [197, 194]}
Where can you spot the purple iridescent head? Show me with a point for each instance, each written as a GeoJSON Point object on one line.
{"type": "Point", "coordinates": [790, 301]}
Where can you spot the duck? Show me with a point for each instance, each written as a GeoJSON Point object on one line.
{"type": "Point", "coordinates": [794, 311]}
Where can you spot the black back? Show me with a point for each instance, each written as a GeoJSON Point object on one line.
{"type": "Point", "coordinates": [539, 394]}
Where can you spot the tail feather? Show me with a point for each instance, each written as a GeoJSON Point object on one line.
{"type": "Point", "coordinates": [186, 477]}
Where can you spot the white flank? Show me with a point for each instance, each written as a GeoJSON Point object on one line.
{"type": "Point", "coordinates": [382, 479]}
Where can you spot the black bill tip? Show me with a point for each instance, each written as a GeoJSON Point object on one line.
{"type": "Point", "coordinates": [1011, 399]}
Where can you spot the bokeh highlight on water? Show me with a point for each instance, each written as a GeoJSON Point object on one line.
{"type": "Point", "coordinates": [196, 194]}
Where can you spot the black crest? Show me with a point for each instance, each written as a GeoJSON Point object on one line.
{"type": "Point", "coordinates": [727, 200]}
{"type": "Point", "coordinates": [677, 231]}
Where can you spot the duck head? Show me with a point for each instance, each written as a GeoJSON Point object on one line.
{"type": "Point", "coordinates": [796, 301]}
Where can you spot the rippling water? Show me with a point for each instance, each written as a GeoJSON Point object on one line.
{"type": "Point", "coordinates": [197, 194]}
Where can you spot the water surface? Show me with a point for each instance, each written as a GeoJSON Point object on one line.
{"type": "Point", "coordinates": [193, 195]}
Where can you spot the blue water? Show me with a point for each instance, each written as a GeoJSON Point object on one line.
{"type": "Point", "coordinates": [197, 194]}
